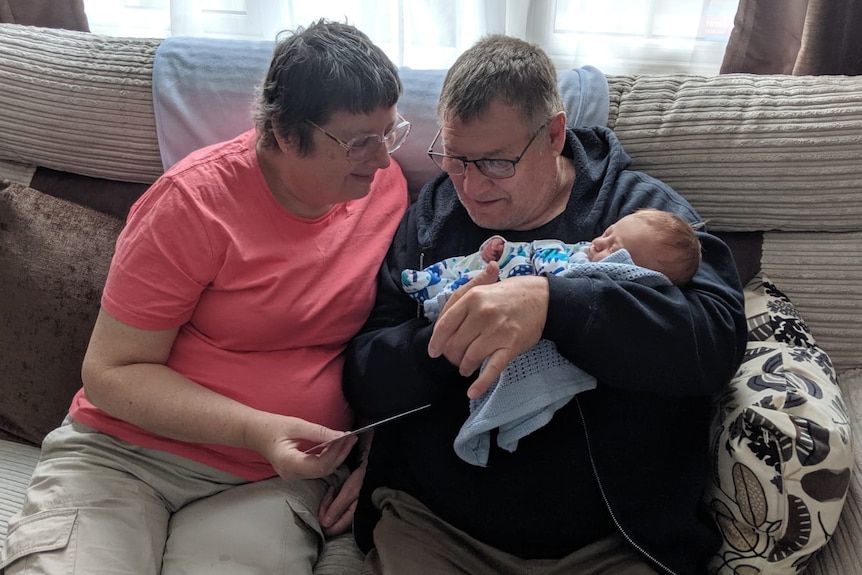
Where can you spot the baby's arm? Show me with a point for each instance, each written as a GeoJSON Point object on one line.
{"type": "Point", "coordinates": [424, 284]}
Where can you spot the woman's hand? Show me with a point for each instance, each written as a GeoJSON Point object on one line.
{"type": "Point", "coordinates": [282, 439]}
{"type": "Point", "coordinates": [338, 505]}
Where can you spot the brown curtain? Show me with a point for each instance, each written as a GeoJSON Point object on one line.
{"type": "Point", "coordinates": [68, 14]}
{"type": "Point", "coordinates": [798, 37]}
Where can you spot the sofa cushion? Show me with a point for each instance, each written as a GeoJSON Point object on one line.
{"type": "Point", "coordinates": [17, 462]}
{"type": "Point", "coordinates": [110, 197]}
{"type": "Point", "coordinates": [749, 152]}
{"type": "Point", "coordinates": [78, 102]}
{"type": "Point", "coordinates": [782, 454]}
{"type": "Point", "coordinates": [54, 257]}
{"type": "Point", "coordinates": [822, 274]}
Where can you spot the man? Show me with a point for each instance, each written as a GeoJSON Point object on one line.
{"type": "Point", "coordinates": [612, 483]}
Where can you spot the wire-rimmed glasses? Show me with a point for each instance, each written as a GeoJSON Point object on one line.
{"type": "Point", "coordinates": [497, 168]}
{"type": "Point", "coordinates": [363, 148]}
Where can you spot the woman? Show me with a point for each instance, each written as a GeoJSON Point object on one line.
{"type": "Point", "coordinates": [216, 358]}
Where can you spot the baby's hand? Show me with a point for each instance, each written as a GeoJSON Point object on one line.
{"type": "Point", "coordinates": [492, 249]}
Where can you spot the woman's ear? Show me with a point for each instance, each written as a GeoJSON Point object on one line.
{"type": "Point", "coordinates": [283, 143]}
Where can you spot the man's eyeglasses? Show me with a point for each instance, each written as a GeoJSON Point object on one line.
{"type": "Point", "coordinates": [362, 148]}
{"type": "Point", "coordinates": [497, 168]}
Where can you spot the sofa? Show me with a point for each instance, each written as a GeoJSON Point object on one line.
{"type": "Point", "coordinates": [772, 163]}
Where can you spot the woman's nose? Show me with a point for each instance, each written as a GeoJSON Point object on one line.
{"type": "Point", "coordinates": [383, 157]}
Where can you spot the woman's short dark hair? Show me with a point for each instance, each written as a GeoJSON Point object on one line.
{"type": "Point", "coordinates": [317, 70]}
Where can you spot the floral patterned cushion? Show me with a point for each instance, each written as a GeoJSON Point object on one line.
{"type": "Point", "coordinates": [780, 445]}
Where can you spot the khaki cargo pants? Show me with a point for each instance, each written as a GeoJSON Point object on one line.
{"type": "Point", "coordinates": [98, 505]}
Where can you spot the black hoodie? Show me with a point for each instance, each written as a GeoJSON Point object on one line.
{"type": "Point", "coordinates": [630, 455]}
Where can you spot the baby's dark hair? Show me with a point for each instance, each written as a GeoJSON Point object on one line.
{"type": "Point", "coordinates": [681, 254]}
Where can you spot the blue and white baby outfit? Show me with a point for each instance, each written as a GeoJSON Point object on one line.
{"type": "Point", "coordinates": [539, 381]}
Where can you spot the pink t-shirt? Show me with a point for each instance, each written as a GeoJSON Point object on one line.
{"type": "Point", "coordinates": [266, 301]}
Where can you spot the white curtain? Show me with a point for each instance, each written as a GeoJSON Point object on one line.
{"type": "Point", "coordinates": [616, 36]}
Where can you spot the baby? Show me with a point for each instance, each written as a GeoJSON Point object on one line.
{"type": "Point", "coordinates": [649, 239]}
{"type": "Point", "coordinates": [649, 246]}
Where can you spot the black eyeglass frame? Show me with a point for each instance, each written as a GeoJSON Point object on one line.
{"type": "Point", "coordinates": [481, 161]}
{"type": "Point", "coordinates": [350, 145]}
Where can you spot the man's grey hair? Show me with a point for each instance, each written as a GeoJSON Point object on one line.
{"type": "Point", "coordinates": [505, 69]}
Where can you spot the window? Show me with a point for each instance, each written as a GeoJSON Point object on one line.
{"type": "Point", "coordinates": [653, 36]}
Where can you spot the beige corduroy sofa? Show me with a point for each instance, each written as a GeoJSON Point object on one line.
{"type": "Point", "coordinates": [772, 163]}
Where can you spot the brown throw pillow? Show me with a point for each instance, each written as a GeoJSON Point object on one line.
{"type": "Point", "coordinates": [54, 258]}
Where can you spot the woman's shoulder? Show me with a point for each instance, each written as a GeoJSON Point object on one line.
{"type": "Point", "coordinates": [239, 148]}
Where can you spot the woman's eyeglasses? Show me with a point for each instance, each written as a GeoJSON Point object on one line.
{"type": "Point", "coordinates": [363, 148]}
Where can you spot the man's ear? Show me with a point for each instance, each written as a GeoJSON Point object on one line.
{"type": "Point", "coordinates": [557, 131]}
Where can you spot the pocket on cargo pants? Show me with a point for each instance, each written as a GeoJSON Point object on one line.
{"type": "Point", "coordinates": [41, 533]}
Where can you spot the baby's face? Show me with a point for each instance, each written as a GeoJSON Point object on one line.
{"type": "Point", "coordinates": [632, 233]}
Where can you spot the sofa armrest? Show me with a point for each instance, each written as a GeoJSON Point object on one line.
{"type": "Point", "coordinates": [841, 554]}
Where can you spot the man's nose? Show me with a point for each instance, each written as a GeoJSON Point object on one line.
{"type": "Point", "coordinates": [473, 179]}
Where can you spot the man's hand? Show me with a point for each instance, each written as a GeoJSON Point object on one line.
{"type": "Point", "coordinates": [338, 505]}
{"type": "Point", "coordinates": [486, 318]}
